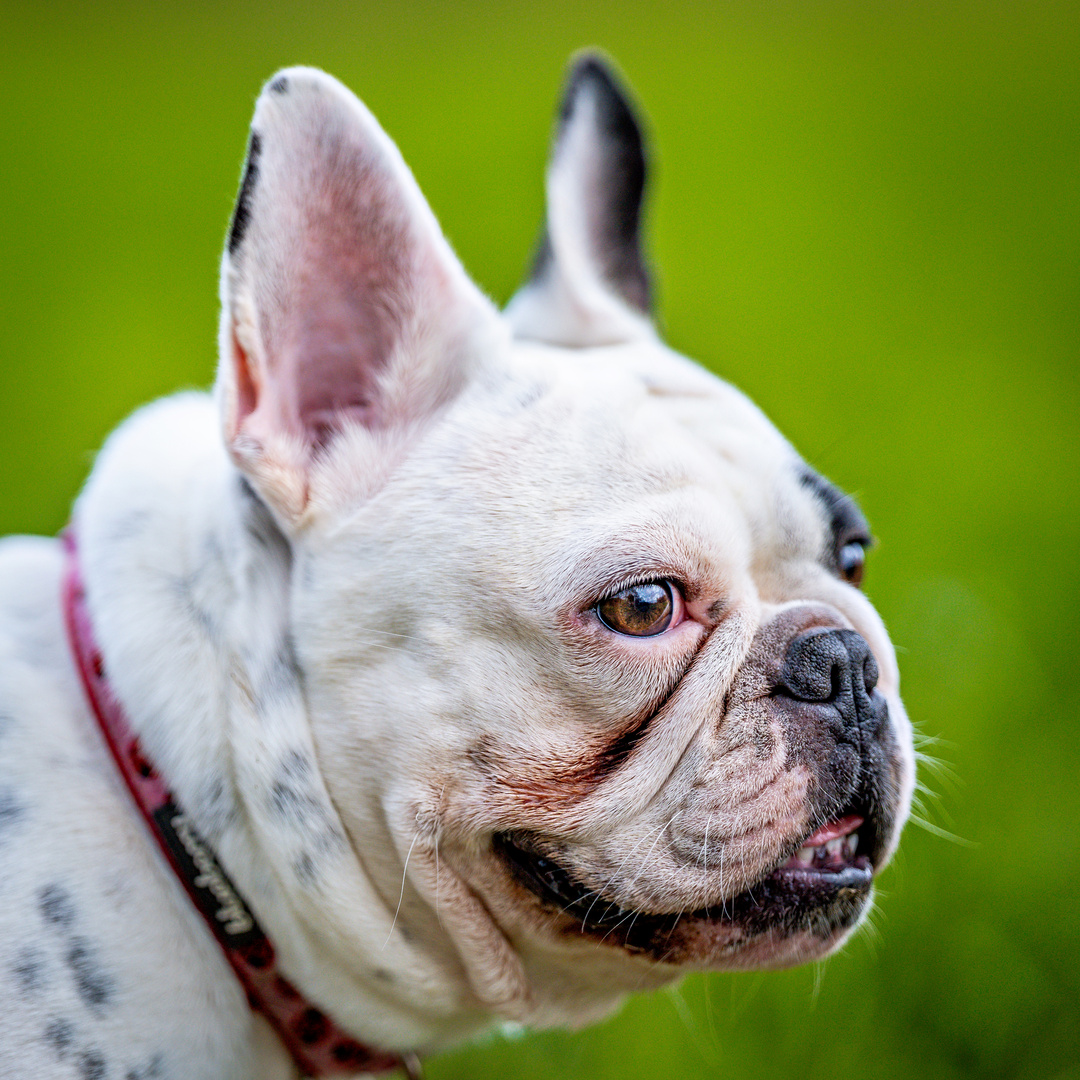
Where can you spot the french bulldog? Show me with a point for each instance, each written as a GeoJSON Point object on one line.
{"type": "Point", "coordinates": [502, 662]}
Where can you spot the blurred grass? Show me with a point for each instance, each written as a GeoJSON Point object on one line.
{"type": "Point", "coordinates": [865, 215]}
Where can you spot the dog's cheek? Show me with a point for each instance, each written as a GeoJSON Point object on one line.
{"type": "Point", "coordinates": [524, 787]}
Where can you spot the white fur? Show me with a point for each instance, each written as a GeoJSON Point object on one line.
{"type": "Point", "coordinates": [318, 683]}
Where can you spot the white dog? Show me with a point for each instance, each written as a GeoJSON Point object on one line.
{"type": "Point", "coordinates": [488, 665]}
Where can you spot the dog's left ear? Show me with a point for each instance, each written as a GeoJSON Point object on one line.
{"type": "Point", "coordinates": [589, 283]}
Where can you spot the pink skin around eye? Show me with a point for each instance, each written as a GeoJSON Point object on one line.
{"type": "Point", "coordinates": [678, 610]}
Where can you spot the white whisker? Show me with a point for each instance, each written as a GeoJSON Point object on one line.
{"type": "Point", "coordinates": [404, 872]}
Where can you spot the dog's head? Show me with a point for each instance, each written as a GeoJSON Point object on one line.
{"type": "Point", "coordinates": [591, 680]}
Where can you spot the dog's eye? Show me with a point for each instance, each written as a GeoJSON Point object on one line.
{"type": "Point", "coordinates": [639, 611]}
{"type": "Point", "coordinates": [851, 559]}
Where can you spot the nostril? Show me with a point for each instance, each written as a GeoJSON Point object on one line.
{"type": "Point", "coordinates": [817, 666]}
{"type": "Point", "coordinates": [870, 672]}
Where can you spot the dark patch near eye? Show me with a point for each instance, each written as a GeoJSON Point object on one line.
{"type": "Point", "coordinates": [94, 984]}
{"type": "Point", "coordinates": [383, 975]}
{"type": "Point", "coordinates": [54, 903]}
{"type": "Point", "coordinates": [92, 1066]}
{"type": "Point", "coordinates": [618, 750]}
{"type": "Point", "coordinates": [242, 214]}
{"type": "Point", "coordinates": [11, 810]}
{"type": "Point", "coordinates": [716, 610]}
{"type": "Point", "coordinates": [60, 1034]}
{"type": "Point", "coordinates": [845, 520]}
{"type": "Point", "coordinates": [279, 86]}
{"type": "Point", "coordinates": [29, 970]}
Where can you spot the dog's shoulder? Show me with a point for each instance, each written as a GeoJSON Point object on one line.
{"type": "Point", "coordinates": [85, 900]}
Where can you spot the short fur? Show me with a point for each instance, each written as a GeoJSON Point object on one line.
{"type": "Point", "coordinates": [350, 606]}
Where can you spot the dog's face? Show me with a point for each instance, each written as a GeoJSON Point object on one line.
{"type": "Point", "coordinates": [592, 682]}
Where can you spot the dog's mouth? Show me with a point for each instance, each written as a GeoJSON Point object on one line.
{"type": "Point", "coordinates": [821, 889]}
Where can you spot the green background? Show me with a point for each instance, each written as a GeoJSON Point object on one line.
{"type": "Point", "coordinates": [864, 214]}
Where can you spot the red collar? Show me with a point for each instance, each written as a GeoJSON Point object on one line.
{"type": "Point", "coordinates": [316, 1044]}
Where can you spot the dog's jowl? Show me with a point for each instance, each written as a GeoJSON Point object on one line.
{"type": "Point", "coordinates": [445, 666]}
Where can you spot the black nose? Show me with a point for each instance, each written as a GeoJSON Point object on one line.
{"type": "Point", "coordinates": [834, 667]}
{"type": "Point", "coordinates": [821, 663]}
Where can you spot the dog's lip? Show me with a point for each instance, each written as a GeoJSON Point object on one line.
{"type": "Point", "coordinates": [844, 826]}
{"type": "Point", "coordinates": [790, 884]}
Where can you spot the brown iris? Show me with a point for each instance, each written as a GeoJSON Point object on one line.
{"type": "Point", "coordinates": [851, 560]}
{"type": "Point", "coordinates": [640, 610]}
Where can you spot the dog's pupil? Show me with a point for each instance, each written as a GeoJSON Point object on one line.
{"type": "Point", "coordinates": [640, 610]}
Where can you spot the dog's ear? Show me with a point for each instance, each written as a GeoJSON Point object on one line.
{"type": "Point", "coordinates": [347, 321]}
{"type": "Point", "coordinates": [589, 283]}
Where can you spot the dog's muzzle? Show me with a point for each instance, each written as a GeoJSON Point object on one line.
{"type": "Point", "coordinates": [806, 696]}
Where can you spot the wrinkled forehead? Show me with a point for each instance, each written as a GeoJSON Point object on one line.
{"type": "Point", "coordinates": [629, 450]}
{"type": "Point", "coordinates": [630, 426]}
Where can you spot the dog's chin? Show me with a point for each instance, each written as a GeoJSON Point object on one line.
{"type": "Point", "coordinates": [798, 910]}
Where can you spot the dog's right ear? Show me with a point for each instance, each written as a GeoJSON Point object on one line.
{"type": "Point", "coordinates": [346, 318]}
{"type": "Point", "coordinates": [589, 284]}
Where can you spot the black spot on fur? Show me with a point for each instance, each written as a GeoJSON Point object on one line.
{"type": "Point", "coordinates": [154, 1068]}
{"type": "Point", "coordinates": [54, 903]}
{"type": "Point", "coordinates": [294, 799]}
{"type": "Point", "coordinates": [60, 1034]}
{"type": "Point", "coordinates": [29, 970]}
{"type": "Point", "coordinates": [279, 86]}
{"type": "Point", "coordinates": [291, 795]}
{"type": "Point", "coordinates": [11, 811]}
{"type": "Point", "coordinates": [242, 214]}
{"type": "Point", "coordinates": [94, 984]}
{"type": "Point", "coordinates": [218, 809]}
{"type": "Point", "coordinates": [304, 868]}
{"type": "Point", "coordinates": [183, 588]}
{"type": "Point", "coordinates": [92, 1066]}
{"type": "Point", "coordinates": [278, 681]}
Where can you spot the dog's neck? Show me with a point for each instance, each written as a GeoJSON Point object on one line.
{"type": "Point", "coordinates": [188, 583]}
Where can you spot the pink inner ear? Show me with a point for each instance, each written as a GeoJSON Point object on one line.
{"type": "Point", "coordinates": [347, 304]}
{"type": "Point", "coordinates": [335, 309]}
{"type": "Point", "coordinates": [340, 344]}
